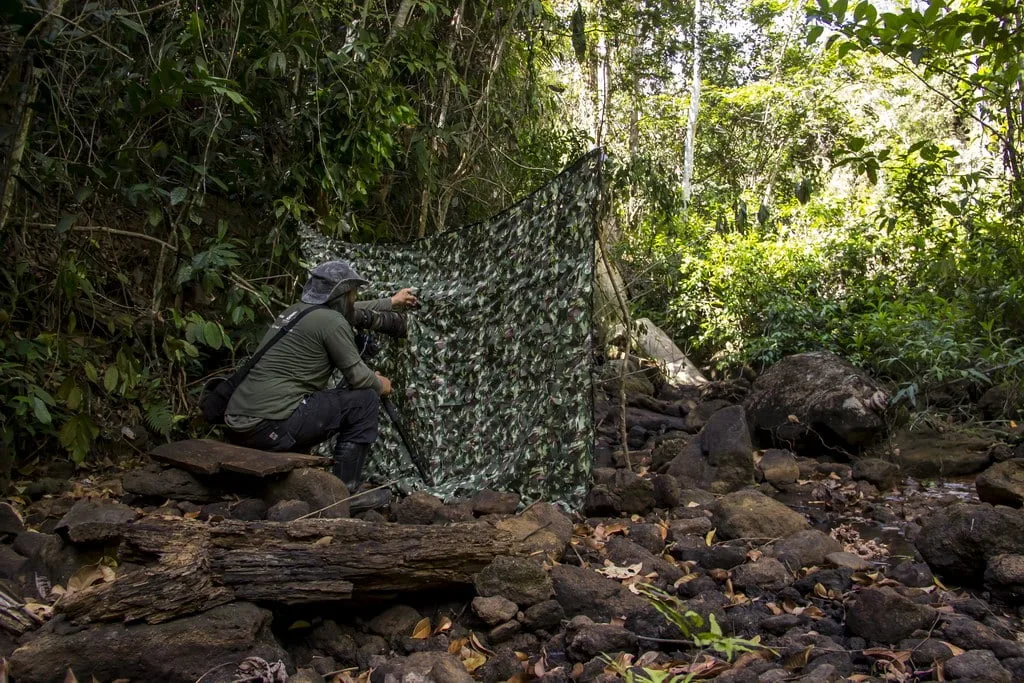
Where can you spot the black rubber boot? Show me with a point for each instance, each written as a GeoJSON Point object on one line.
{"type": "Point", "coordinates": [349, 461]}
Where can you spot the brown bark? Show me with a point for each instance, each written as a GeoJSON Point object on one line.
{"type": "Point", "coordinates": [201, 565]}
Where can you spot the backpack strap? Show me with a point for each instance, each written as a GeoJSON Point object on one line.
{"type": "Point", "coordinates": [285, 329]}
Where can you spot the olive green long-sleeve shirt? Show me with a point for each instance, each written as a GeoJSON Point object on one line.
{"type": "Point", "coordinates": [300, 364]}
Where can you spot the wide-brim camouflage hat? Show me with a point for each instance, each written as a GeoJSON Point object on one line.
{"type": "Point", "coordinates": [330, 280]}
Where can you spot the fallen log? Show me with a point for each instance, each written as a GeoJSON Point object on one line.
{"type": "Point", "coordinates": [200, 565]}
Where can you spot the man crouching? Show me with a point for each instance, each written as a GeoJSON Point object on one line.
{"type": "Point", "coordinates": [283, 403]}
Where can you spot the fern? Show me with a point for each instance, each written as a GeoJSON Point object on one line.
{"type": "Point", "coordinates": [160, 419]}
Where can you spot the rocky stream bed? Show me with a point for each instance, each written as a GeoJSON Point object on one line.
{"type": "Point", "coordinates": [781, 515]}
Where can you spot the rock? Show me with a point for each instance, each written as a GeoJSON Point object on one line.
{"type": "Point", "coordinates": [666, 490]}
{"type": "Point", "coordinates": [883, 474]}
{"type": "Point", "coordinates": [46, 486]}
{"type": "Point", "coordinates": [455, 512]}
{"type": "Point", "coordinates": [494, 610]}
{"type": "Point", "coordinates": [156, 481]}
{"type": "Point", "coordinates": [778, 466]}
{"type": "Point", "coordinates": [976, 665]}
{"type": "Point", "coordinates": [721, 458]}
{"type": "Point", "coordinates": [518, 579]}
{"type": "Point", "coordinates": [90, 522]}
{"type": "Point", "coordinates": [636, 494]}
{"type": "Point", "coordinates": [883, 615]}
{"type": "Point", "coordinates": [450, 670]}
{"type": "Point", "coordinates": [419, 507]}
{"type": "Point", "coordinates": [697, 418]}
{"type": "Point", "coordinates": [849, 561]}
{"type": "Point", "coordinates": [396, 621]}
{"type": "Point", "coordinates": [12, 565]}
{"type": "Point", "coordinates": [547, 616]}
{"type": "Point", "coordinates": [287, 510]}
{"type": "Point", "coordinates": [585, 640]}
{"type": "Point", "coordinates": [488, 502]}
{"type": "Point", "coordinates": [504, 632]}
{"type": "Point", "coordinates": [601, 502]}
{"type": "Point", "coordinates": [1004, 576]}
{"type": "Point", "coordinates": [912, 574]}
{"type": "Point", "coordinates": [767, 574]}
{"type": "Point", "coordinates": [1002, 483]}
{"type": "Point", "coordinates": [925, 652]}
{"type": "Point", "coordinates": [1000, 402]}
{"type": "Point", "coordinates": [541, 528]}
{"type": "Point", "coordinates": [319, 489]}
{"type": "Point", "coordinates": [208, 646]}
{"type": "Point", "coordinates": [215, 512]}
{"type": "Point", "coordinates": [973, 635]}
{"type": "Point", "coordinates": [10, 521]}
{"type": "Point", "coordinates": [305, 676]}
{"type": "Point", "coordinates": [624, 552]}
{"type": "Point", "coordinates": [830, 399]}
{"type": "Point", "coordinates": [415, 668]}
{"type": "Point", "coordinates": [502, 666]}
{"type": "Point", "coordinates": [336, 642]}
{"type": "Point", "coordinates": [584, 591]}
{"type": "Point", "coordinates": [681, 528]}
{"type": "Point", "coordinates": [753, 515]}
{"type": "Point", "coordinates": [249, 510]}
{"type": "Point", "coordinates": [648, 537]}
{"type": "Point", "coordinates": [958, 540]}
{"type": "Point", "coordinates": [635, 381]}
{"type": "Point", "coordinates": [805, 548]}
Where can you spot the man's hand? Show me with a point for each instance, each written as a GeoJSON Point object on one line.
{"type": "Point", "coordinates": [404, 299]}
{"type": "Point", "coordinates": [385, 384]}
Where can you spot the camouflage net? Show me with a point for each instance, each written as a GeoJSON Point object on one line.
{"type": "Point", "coordinates": [494, 379]}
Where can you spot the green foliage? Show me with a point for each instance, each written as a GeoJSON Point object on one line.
{"type": "Point", "coordinates": [693, 626]}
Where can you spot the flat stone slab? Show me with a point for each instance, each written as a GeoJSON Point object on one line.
{"type": "Point", "coordinates": [206, 456]}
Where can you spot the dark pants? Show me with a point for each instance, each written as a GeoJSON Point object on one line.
{"type": "Point", "coordinates": [351, 414]}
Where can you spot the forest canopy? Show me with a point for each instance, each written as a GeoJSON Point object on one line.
{"type": "Point", "coordinates": [782, 178]}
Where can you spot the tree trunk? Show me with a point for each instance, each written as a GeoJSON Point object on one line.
{"type": "Point", "coordinates": [202, 565]}
{"type": "Point", "coordinates": [691, 121]}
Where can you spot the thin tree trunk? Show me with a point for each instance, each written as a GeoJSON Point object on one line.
{"type": "Point", "coordinates": [691, 121]}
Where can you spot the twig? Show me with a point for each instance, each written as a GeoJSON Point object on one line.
{"type": "Point", "coordinates": [112, 231]}
{"type": "Point", "coordinates": [345, 500]}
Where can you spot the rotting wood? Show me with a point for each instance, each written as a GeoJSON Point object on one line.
{"type": "Point", "coordinates": [200, 565]}
{"type": "Point", "coordinates": [207, 457]}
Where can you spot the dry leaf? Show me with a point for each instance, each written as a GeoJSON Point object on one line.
{"type": "Point", "coordinates": [957, 651]}
{"type": "Point", "coordinates": [422, 629]}
{"type": "Point", "coordinates": [326, 540]}
{"type": "Point", "coordinates": [69, 677]}
{"type": "Point", "coordinates": [754, 555]}
{"type": "Point", "coordinates": [793, 418]}
{"type": "Point", "coordinates": [577, 670]}
{"type": "Point", "coordinates": [798, 660]}
{"type": "Point", "coordinates": [773, 608]}
{"type": "Point", "coordinates": [456, 645]}
{"type": "Point", "coordinates": [475, 642]}
{"type": "Point", "coordinates": [621, 662]}
{"type": "Point", "coordinates": [539, 669]}
{"type": "Point", "coordinates": [521, 656]}
{"type": "Point", "coordinates": [693, 504]}
{"type": "Point", "coordinates": [685, 578]}
{"type": "Point", "coordinates": [474, 661]}
{"type": "Point", "coordinates": [615, 572]}
{"type": "Point", "coordinates": [709, 539]}
{"type": "Point", "coordinates": [443, 625]}
{"type": "Point", "coordinates": [719, 574]}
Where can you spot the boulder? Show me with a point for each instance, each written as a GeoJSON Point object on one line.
{"type": "Point", "coordinates": [583, 591]}
{"type": "Point", "coordinates": [624, 552]}
{"type": "Point", "coordinates": [778, 467]}
{"type": "Point", "coordinates": [976, 665]}
{"type": "Point", "coordinates": [697, 418]}
{"type": "Point", "coordinates": [417, 668]}
{"type": "Point", "coordinates": [396, 621]}
{"type": "Point", "coordinates": [287, 510]}
{"type": "Point", "coordinates": [321, 490]}
{"type": "Point", "coordinates": [89, 522]}
{"type": "Point", "coordinates": [882, 473]}
{"type": "Point", "coordinates": [635, 494]}
{"type": "Point", "coordinates": [488, 502]}
{"type": "Point", "coordinates": [912, 574]}
{"type": "Point", "coordinates": [805, 548]}
{"type": "Point", "coordinates": [721, 458]}
{"type": "Point", "coordinates": [883, 615]}
{"type": "Point", "coordinates": [1004, 576]}
{"type": "Point", "coordinates": [541, 528]}
{"type": "Point", "coordinates": [845, 560]}
{"type": "Point", "coordinates": [547, 615]}
{"type": "Point", "coordinates": [209, 646]}
{"type": "Point", "coordinates": [973, 635]}
{"type": "Point", "coordinates": [753, 515]}
{"type": "Point", "coordinates": [494, 610]}
{"type": "Point", "coordinates": [156, 481]}
{"type": "Point", "coordinates": [767, 574]}
{"type": "Point", "coordinates": [518, 579]}
{"type": "Point", "coordinates": [958, 540]}
{"type": "Point", "coordinates": [10, 521]}
{"type": "Point", "coordinates": [419, 507]}
{"type": "Point", "coordinates": [812, 397]}
{"type": "Point", "coordinates": [585, 640]}
{"type": "Point", "coordinates": [1002, 483]}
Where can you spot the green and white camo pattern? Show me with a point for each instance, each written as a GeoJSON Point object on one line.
{"type": "Point", "coordinates": [494, 379]}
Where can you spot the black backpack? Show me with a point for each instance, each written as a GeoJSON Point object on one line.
{"type": "Point", "coordinates": [213, 401]}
